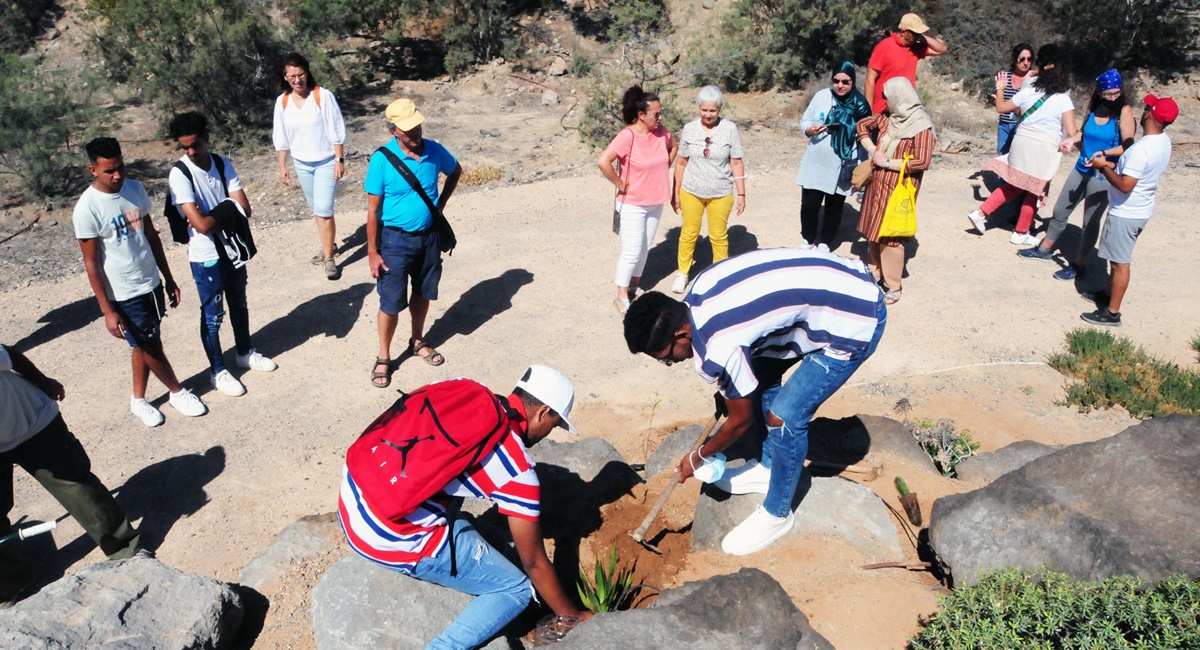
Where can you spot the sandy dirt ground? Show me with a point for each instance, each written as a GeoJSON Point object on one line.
{"type": "Point", "coordinates": [531, 281]}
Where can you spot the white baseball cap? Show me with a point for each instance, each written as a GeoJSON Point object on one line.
{"type": "Point", "coordinates": [551, 388]}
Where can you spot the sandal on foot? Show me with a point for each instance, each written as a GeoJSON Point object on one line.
{"type": "Point", "coordinates": [434, 358]}
{"type": "Point", "coordinates": [386, 375]}
{"type": "Point", "coordinates": [621, 304]}
{"type": "Point", "coordinates": [892, 297]}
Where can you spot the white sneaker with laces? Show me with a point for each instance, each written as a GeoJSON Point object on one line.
{"type": "Point", "coordinates": [187, 403]}
{"type": "Point", "coordinates": [759, 531]}
{"type": "Point", "coordinates": [1023, 239]}
{"type": "Point", "coordinates": [978, 221]}
{"type": "Point", "coordinates": [680, 283]}
{"type": "Point", "coordinates": [751, 478]}
{"type": "Point", "coordinates": [227, 384]}
{"type": "Point", "coordinates": [255, 361]}
{"type": "Point", "coordinates": [149, 415]}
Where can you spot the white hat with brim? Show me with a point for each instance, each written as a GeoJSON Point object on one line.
{"type": "Point", "coordinates": [551, 388]}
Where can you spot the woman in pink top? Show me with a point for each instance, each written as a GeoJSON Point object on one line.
{"type": "Point", "coordinates": [644, 151]}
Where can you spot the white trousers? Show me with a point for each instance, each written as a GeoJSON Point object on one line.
{"type": "Point", "coordinates": [639, 224]}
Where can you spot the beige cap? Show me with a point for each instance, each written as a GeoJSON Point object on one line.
{"type": "Point", "coordinates": [913, 23]}
{"type": "Point", "coordinates": [403, 114]}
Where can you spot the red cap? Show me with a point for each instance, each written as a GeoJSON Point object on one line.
{"type": "Point", "coordinates": [1163, 109]}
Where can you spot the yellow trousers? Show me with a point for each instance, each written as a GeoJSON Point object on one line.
{"type": "Point", "coordinates": [693, 209]}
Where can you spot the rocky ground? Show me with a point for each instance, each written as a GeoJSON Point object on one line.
{"type": "Point", "coordinates": [531, 282]}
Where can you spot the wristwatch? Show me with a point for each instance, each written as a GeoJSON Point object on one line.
{"type": "Point", "coordinates": [341, 160]}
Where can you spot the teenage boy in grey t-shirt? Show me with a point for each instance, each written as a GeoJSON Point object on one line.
{"type": "Point", "coordinates": [123, 255]}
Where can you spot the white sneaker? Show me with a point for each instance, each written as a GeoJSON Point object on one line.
{"type": "Point", "coordinates": [228, 384]}
{"type": "Point", "coordinates": [150, 416]}
{"type": "Point", "coordinates": [187, 403]}
{"type": "Point", "coordinates": [1023, 239]}
{"type": "Point", "coordinates": [824, 248]}
{"type": "Point", "coordinates": [255, 361]}
{"type": "Point", "coordinates": [751, 478]}
{"type": "Point", "coordinates": [680, 283]}
{"type": "Point", "coordinates": [759, 531]}
{"type": "Point", "coordinates": [804, 245]}
{"type": "Point", "coordinates": [978, 221]}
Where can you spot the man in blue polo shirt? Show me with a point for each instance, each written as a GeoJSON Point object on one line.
{"type": "Point", "coordinates": [401, 241]}
{"type": "Point", "coordinates": [747, 320]}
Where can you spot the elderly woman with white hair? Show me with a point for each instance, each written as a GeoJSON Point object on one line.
{"type": "Point", "coordinates": [709, 176]}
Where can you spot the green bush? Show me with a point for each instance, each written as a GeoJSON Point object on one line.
{"type": "Point", "coordinates": [20, 23]}
{"type": "Point", "coordinates": [762, 44]}
{"type": "Point", "coordinates": [1112, 371]}
{"type": "Point", "coordinates": [1013, 608]}
{"type": "Point", "coordinates": [980, 35]}
{"type": "Point", "coordinates": [45, 119]}
{"type": "Point", "coordinates": [215, 56]}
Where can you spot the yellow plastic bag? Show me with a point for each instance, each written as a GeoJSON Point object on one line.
{"type": "Point", "coordinates": [900, 216]}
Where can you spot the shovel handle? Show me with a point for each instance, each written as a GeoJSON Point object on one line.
{"type": "Point", "coordinates": [640, 533]}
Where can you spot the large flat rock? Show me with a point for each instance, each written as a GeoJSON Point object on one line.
{"type": "Point", "coordinates": [359, 605]}
{"type": "Point", "coordinates": [126, 604]}
{"type": "Point", "coordinates": [1125, 505]}
{"type": "Point", "coordinates": [989, 466]}
{"type": "Point", "coordinates": [829, 506]}
{"type": "Point", "coordinates": [747, 610]}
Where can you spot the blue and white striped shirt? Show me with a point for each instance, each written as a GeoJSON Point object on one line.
{"type": "Point", "coordinates": [780, 303]}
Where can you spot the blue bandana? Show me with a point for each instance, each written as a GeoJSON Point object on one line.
{"type": "Point", "coordinates": [1108, 80]}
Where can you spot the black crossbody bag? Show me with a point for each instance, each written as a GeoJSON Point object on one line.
{"type": "Point", "coordinates": [446, 239]}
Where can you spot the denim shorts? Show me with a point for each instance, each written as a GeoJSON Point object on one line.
{"type": "Point", "coordinates": [407, 255]}
{"type": "Point", "coordinates": [319, 185]}
{"type": "Point", "coordinates": [1118, 238]}
{"type": "Point", "coordinates": [141, 317]}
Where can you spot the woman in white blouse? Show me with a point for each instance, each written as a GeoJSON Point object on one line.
{"type": "Point", "coordinates": [309, 124]}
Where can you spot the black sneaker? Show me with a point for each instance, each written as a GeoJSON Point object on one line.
{"type": "Point", "coordinates": [1036, 253]}
{"type": "Point", "coordinates": [1100, 298]}
{"type": "Point", "coordinates": [1068, 273]}
{"type": "Point", "coordinates": [1102, 316]}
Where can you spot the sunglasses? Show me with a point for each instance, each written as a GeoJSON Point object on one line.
{"type": "Point", "coordinates": [1024, 59]}
{"type": "Point", "coordinates": [842, 82]}
{"type": "Point", "coordinates": [707, 144]}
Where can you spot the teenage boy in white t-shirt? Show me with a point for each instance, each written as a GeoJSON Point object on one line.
{"type": "Point", "coordinates": [218, 281]}
{"type": "Point", "coordinates": [123, 257]}
{"type": "Point", "coordinates": [1133, 182]}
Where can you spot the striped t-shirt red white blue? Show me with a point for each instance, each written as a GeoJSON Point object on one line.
{"type": "Point", "coordinates": [779, 303]}
{"type": "Point", "coordinates": [505, 476]}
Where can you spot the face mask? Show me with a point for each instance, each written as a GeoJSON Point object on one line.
{"type": "Point", "coordinates": [712, 470]}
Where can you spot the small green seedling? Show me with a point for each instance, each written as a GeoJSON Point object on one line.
{"type": "Point", "coordinates": [901, 486]}
{"type": "Point", "coordinates": [605, 592]}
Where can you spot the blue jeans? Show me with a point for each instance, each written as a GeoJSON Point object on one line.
{"type": "Point", "coordinates": [1004, 133]}
{"type": "Point", "coordinates": [503, 590]}
{"type": "Point", "coordinates": [219, 284]}
{"type": "Point", "coordinates": [795, 402]}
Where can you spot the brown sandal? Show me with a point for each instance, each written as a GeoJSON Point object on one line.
{"type": "Point", "coordinates": [386, 376]}
{"type": "Point", "coordinates": [434, 358]}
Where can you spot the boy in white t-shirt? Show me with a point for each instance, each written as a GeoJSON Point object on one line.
{"type": "Point", "coordinates": [218, 281]}
{"type": "Point", "coordinates": [123, 257]}
{"type": "Point", "coordinates": [1133, 182]}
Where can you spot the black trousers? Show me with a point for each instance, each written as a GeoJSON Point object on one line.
{"type": "Point", "coordinates": [810, 207]}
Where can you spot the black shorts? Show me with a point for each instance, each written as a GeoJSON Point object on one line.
{"type": "Point", "coordinates": [141, 317]}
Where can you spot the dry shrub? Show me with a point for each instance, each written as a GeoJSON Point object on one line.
{"type": "Point", "coordinates": [481, 175]}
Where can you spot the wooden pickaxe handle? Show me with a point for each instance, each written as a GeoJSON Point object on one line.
{"type": "Point", "coordinates": [640, 534]}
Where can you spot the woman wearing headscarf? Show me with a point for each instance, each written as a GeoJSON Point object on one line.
{"type": "Point", "coordinates": [833, 151]}
{"type": "Point", "coordinates": [709, 176]}
{"type": "Point", "coordinates": [1108, 129]}
{"type": "Point", "coordinates": [904, 130]}
{"type": "Point", "coordinates": [1019, 71]}
{"type": "Point", "coordinates": [1045, 132]}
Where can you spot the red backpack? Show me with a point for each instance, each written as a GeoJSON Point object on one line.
{"type": "Point", "coordinates": [426, 439]}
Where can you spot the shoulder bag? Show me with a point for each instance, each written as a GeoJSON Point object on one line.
{"type": "Point", "coordinates": [446, 239]}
